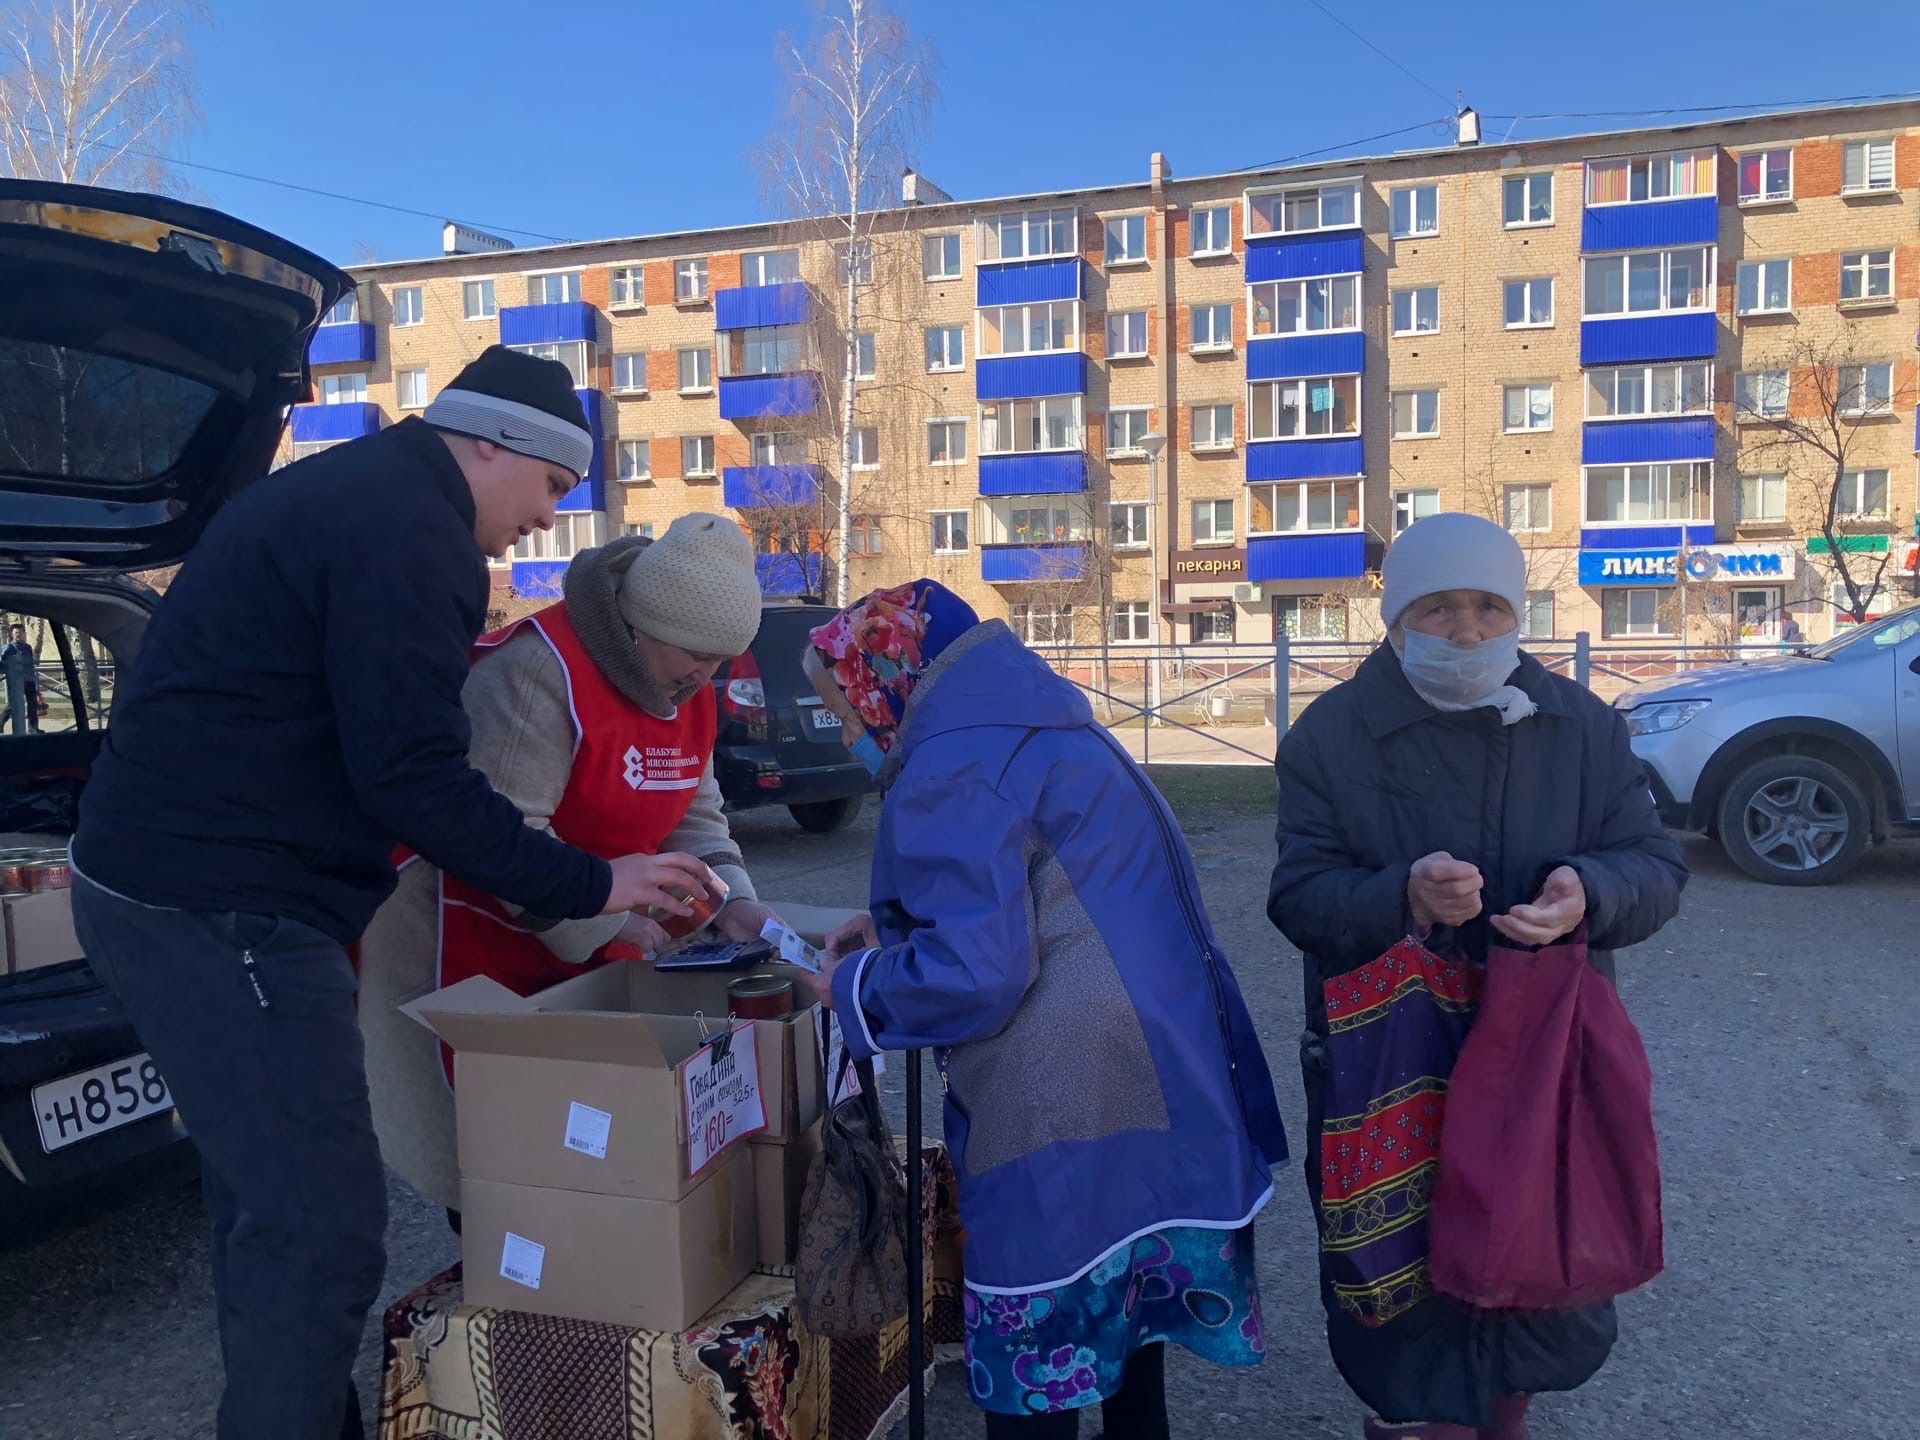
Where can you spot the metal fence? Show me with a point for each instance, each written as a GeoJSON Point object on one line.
{"type": "Point", "coordinates": [62, 705]}
{"type": "Point", "coordinates": [1242, 697]}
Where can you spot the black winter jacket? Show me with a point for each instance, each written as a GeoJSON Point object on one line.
{"type": "Point", "coordinates": [295, 708]}
{"type": "Point", "coordinates": [1371, 779]}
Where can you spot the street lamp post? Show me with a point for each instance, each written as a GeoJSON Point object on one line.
{"type": "Point", "coordinates": [1153, 442]}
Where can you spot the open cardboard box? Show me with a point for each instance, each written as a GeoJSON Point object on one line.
{"type": "Point", "coordinates": [38, 931]}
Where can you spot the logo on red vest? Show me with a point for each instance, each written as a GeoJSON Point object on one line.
{"type": "Point", "coordinates": [662, 767]}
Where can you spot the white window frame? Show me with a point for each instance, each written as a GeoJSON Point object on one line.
{"type": "Point", "coordinates": [1214, 344]}
{"type": "Point", "coordinates": [865, 536]}
{"type": "Point", "coordinates": [485, 292]}
{"type": "Point", "coordinates": [629, 452]}
{"type": "Point", "coordinates": [760, 269]}
{"type": "Point", "coordinates": [1320, 607]}
{"type": "Point", "coordinates": [866, 355]}
{"type": "Point", "coordinates": [1867, 150]}
{"type": "Point", "coordinates": [1865, 263]}
{"type": "Point", "coordinates": [1214, 442]}
{"type": "Point", "coordinates": [1411, 506]}
{"type": "Point", "coordinates": [1654, 629]}
{"type": "Point", "coordinates": [626, 287]}
{"type": "Point", "coordinates": [1414, 406]}
{"type": "Point", "coordinates": [1409, 226]}
{"type": "Point", "coordinates": [632, 528]}
{"type": "Point", "coordinates": [347, 387]}
{"type": "Point", "coordinates": [345, 311]}
{"type": "Point", "coordinates": [1534, 598]}
{"type": "Point", "coordinates": [1137, 628]}
{"type": "Point", "coordinates": [1763, 483]}
{"type": "Point", "coordinates": [702, 384]}
{"type": "Point", "coordinates": [1660, 476]}
{"type": "Point", "coordinates": [704, 468]}
{"type": "Point", "coordinates": [1760, 269]}
{"type": "Point", "coordinates": [1212, 620]}
{"type": "Point", "coordinates": [1213, 511]}
{"type": "Point", "coordinates": [1063, 522]}
{"type": "Point", "coordinates": [1073, 337]}
{"type": "Point", "coordinates": [1850, 506]}
{"type": "Point", "coordinates": [1412, 295]}
{"type": "Point", "coordinates": [1137, 528]}
{"type": "Point", "coordinates": [1867, 407]}
{"type": "Point", "coordinates": [1304, 501]}
{"type": "Point", "coordinates": [946, 423]}
{"type": "Point", "coordinates": [928, 254]}
{"type": "Point", "coordinates": [1751, 414]}
{"type": "Point", "coordinates": [1045, 221]}
{"type": "Point", "coordinates": [1127, 224]}
{"type": "Point", "coordinates": [1526, 182]}
{"type": "Point", "coordinates": [636, 360]}
{"type": "Point", "coordinates": [1531, 387]}
{"type": "Point", "coordinates": [866, 447]}
{"type": "Point", "coordinates": [1711, 169]}
{"type": "Point", "coordinates": [412, 301]}
{"type": "Point", "coordinates": [571, 282]}
{"type": "Point", "coordinates": [1124, 319]}
{"type": "Point", "coordinates": [1305, 398]}
{"type": "Point", "coordinates": [853, 262]}
{"type": "Point", "coordinates": [777, 447]}
{"type": "Point", "coordinates": [965, 521]}
{"type": "Point", "coordinates": [1219, 228]}
{"type": "Point", "coordinates": [572, 532]}
{"type": "Point", "coordinates": [691, 280]}
{"type": "Point", "coordinates": [1056, 621]}
{"type": "Point", "coordinates": [1260, 200]}
{"type": "Point", "coordinates": [418, 374]}
{"type": "Point", "coordinates": [1331, 291]}
{"type": "Point", "coordinates": [949, 364]}
{"type": "Point", "coordinates": [1764, 154]}
{"type": "Point", "coordinates": [1527, 286]}
{"type": "Point", "coordinates": [1136, 415]}
{"type": "Point", "coordinates": [1625, 258]}
{"type": "Point", "coordinates": [1531, 493]}
{"type": "Point", "coordinates": [1647, 373]}
{"type": "Point", "coordinates": [1076, 435]}
{"type": "Point", "coordinates": [581, 357]}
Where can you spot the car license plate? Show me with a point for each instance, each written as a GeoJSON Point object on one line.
{"type": "Point", "coordinates": [79, 1107]}
{"type": "Point", "coordinates": [824, 719]}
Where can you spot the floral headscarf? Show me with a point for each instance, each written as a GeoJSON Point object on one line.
{"type": "Point", "coordinates": [878, 648]}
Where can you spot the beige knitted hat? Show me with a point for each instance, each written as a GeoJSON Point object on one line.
{"type": "Point", "coordinates": [695, 587]}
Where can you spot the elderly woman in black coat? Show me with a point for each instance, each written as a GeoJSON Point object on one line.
{"type": "Point", "coordinates": [1451, 790]}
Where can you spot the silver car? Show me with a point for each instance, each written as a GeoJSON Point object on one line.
{"type": "Point", "coordinates": [1797, 763]}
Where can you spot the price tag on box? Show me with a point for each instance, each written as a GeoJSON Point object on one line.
{"type": "Point", "coordinates": [720, 1092]}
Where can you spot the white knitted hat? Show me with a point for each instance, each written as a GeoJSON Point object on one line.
{"type": "Point", "coordinates": [695, 587]}
{"type": "Point", "coordinates": [1452, 551]}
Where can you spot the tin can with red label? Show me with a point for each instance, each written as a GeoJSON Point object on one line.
{"type": "Point", "coordinates": [760, 997]}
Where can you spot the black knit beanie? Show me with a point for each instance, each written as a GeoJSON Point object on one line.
{"type": "Point", "coordinates": [520, 402]}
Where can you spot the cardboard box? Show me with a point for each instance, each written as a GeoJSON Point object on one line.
{"type": "Point", "coordinates": [581, 1094]}
{"type": "Point", "coordinates": [39, 931]}
{"type": "Point", "coordinates": [655, 1265]}
{"type": "Point", "coordinates": [779, 1182]}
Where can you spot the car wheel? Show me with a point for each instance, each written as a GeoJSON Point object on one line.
{"type": "Point", "coordinates": [1794, 820]}
{"type": "Point", "coordinates": [823, 817]}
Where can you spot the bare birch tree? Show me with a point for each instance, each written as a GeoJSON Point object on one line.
{"type": "Point", "coordinates": [858, 93]}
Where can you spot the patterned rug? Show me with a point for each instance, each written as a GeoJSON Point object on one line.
{"type": "Point", "coordinates": [749, 1370]}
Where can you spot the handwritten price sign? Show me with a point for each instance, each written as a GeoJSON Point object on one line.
{"type": "Point", "coordinates": [720, 1088]}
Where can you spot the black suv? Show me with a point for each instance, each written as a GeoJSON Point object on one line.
{"type": "Point", "coordinates": [149, 351]}
{"type": "Point", "coordinates": [777, 744]}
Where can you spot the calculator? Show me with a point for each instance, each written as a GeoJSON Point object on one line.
{"type": "Point", "coordinates": [716, 955]}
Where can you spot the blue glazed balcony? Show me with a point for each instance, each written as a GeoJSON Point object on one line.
{"type": "Point", "coordinates": [323, 424]}
{"type": "Point", "coordinates": [341, 345]}
{"type": "Point", "coordinates": [1305, 459]}
{"type": "Point", "coordinates": [591, 493]}
{"type": "Point", "coordinates": [1637, 338]}
{"type": "Point", "coordinates": [1650, 225]}
{"type": "Point", "coordinates": [760, 307]}
{"type": "Point", "coordinates": [1027, 282]}
{"type": "Point", "coordinates": [1300, 257]}
{"type": "Point", "coordinates": [742, 397]}
{"type": "Point", "coordinates": [788, 574]}
{"type": "Point", "coordinates": [1306, 557]}
{"type": "Point", "coordinates": [1294, 357]}
{"type": "Point", "coordinates": [1033, 564]}
{"type": "Point", "coordinates": [1030, 377]}
{"type": "Point", "coordinates": [1054, 472]}
{"type": "Point", "coordinates": [547, 324]}
{"type": "Point", "coordinates": [1642, 442]}
{"type": "Point", "coordinates": [1644, 537]}
{"type": "Point", "coordinates": [750, 487]}
{"type": "Point", "coordinates": [538, 579]}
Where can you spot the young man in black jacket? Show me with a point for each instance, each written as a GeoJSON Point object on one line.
{"type": "Point", "coordinates": [295, 710]}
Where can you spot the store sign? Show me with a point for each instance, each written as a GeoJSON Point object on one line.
{"type": "Point", "coordinates": [1707, 563]}
{"type": "Point", "coordinates": [1220, 564]}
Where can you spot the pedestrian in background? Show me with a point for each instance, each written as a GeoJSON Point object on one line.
{"type": "Point", "coordinates": [1451, 789]}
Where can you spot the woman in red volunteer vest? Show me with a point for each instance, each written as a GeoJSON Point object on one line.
{"type": "Point", "coordinates": [596, 717]}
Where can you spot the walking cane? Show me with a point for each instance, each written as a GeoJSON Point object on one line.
{"type": "Point", "coordinates": [916, 1277]}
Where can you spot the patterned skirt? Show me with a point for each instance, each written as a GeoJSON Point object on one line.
{"type": "Point", "coordinates": [1047, 1350]}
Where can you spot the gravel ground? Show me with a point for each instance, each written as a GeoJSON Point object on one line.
{"type": "Point", "coordinates": [1781, 1025]}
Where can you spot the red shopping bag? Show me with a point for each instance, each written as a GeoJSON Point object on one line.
{"type": "Point", "coordinates": [1548, 1193]}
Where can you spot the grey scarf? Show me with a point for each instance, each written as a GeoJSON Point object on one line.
{"type": "Point", "coordinates": [592, 592]}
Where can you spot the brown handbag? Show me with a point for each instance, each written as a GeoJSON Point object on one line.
{"type": "Point", "coordinates": [850, 1271]}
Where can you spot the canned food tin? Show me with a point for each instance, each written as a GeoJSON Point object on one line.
{"type": "Point", "coordinates": [49, 875]}
{"type": "Point", "coordinates": [760, 997]}
{"type": "Point", "coordinates": [705, 907]}
{"type": "Point", "coordinates": [13, 875]}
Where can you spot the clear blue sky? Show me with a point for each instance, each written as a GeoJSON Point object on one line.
{"type": "Point", "coordinates": [587, 118]}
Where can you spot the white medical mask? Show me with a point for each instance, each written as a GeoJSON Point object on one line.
{"type": "Point", "coordinates": [1464, 677]}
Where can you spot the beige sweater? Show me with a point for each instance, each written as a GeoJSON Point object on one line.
{"type": "Point", "coordinates": [523, 740]}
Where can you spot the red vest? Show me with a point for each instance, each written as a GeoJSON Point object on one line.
{"type": "Point", "coordinates": [633, 780]}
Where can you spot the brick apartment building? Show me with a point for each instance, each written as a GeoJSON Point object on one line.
{"type": "Point", "coordinates": [1580, 337]}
